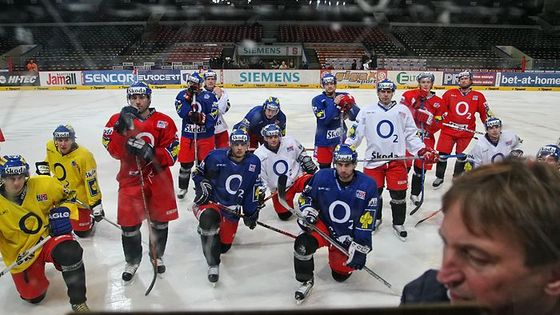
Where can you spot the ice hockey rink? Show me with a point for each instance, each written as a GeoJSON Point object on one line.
{"type": "Point", "coordinates": [257, 273]}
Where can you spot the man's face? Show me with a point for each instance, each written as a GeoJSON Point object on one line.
{"type": "Point", "coordinates": [345, 170]}
{"type": "Point", "coordinates": [210, 83]}
{"type": "Point", "coordinates": [488, 270]}
{"type": "Point", "coordinates": [551, 160]}
{"type": "Point", "coordinates": [494, 132]}
{"type": "Point", "coordinates": [140, 101]}
{"type": "Point", "coordinates": [426, 84]}
{"type": "Point", "coordinates": [465, 82]}
{"type": "Point", "coordinates": [385, 96]}
{"type": "Point", "coordinates": [64, 145]}
{"type": "Point", "coordinates": [330, 88]}
{"type": "Point", "coordinates": [272, 141]}
{"type": "Point", "coordinates": [270, 113]}
{"type": "Point", "coordinates": [238, 149]}
{"type": "Point", "coordinates": [14, 184]}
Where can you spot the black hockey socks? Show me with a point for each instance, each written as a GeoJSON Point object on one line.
{"type": "Point", "coordinates": [416, 186]}
{"type": "Point", "coordinates": [379, 213]}
{"type": "Point", "coordinates": [185, 175]}
{"type": "Point", "coordinates": [304, 248]}
{"type": "Point", "coordinates": [460, 166]}
{"type": "Point", "coordinates": [209, 228]}
{"type": "Point", "coordinates": [441, 165]}
{"type": "Point", "coordinates": [132, 244]}
{"type": "Point", "coordinates": [398, 206]}
{"type": "Point", "coordinates": [160, 231]}
{"type": "Point", "coordinates": [68, 255]}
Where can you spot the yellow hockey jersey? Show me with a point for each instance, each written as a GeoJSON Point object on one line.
{"type": "Point", "coordinates": [21, 227]}
{"type": "Point", "coordinates": [76, 171]}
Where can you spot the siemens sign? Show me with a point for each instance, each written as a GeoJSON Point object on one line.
{"type": "Point", "coordinates": [269, 77]}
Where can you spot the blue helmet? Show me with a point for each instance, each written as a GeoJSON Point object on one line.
{"type": "Point", "coordinates": [13, 165]}
{"type": "Point", "coordinates": [140, 88]}
{"type": "Point", "coordinates": [272, 103]}
{"type": "Point", "coordinates": [64, 131]}
{"type": "Point", "coordinates": [195, 79]}
{"type": "Point", "coordinates": [549, 150]}
{"type": "Point", "coordinates": [210, 74]}
{"type": "Point", "coordinates": [493, 122]}
{"type": "Point", "coordinates": [271, 130]}
{"type": "Point", "coordinates": [386, 85]}
{"type": "Point", "coordinates": [238, 136]}
{"type": "Point", "coordinates": [328, 78]}
{"type": "Point", "coordinates": [345, 154]}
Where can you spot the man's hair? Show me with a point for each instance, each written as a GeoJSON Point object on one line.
{"type": "Point", "coordinates": [518, 199]}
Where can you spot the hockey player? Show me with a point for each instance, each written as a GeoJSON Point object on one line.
{"type": "Point", "coordinates": [145, 142]}
{"type": "Point", "coordinates": [74, 166]}
{"type": "Point", "coordinates": [197, 109]}
{"type": "Point", "coordinates": [342, 203]}
{"type": "Point", "coordinates": [330, 109]}
{"type": "Point", "coordinates": [32, 209]}
{"type": "Point", "coordinates": [221, 136]}
{"type": "Point", "coordinates": [495, 146]}
{"type": "Point", "coordinates": [423, 104]}
{"type": "Point", "coordinates": [227, 178]}
{"type": "Point", "coordinates": [260, 116]}
{"type": "Point", "coordinates": [458, 108]}
{"type": "Point", "coordinates": [390, 131]}
{"type": "Point", "coordinates": [283, 156]}
{"type": "Point", "coordinates": [549, 154]}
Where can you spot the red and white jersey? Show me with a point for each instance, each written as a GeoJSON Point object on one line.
{"type": "Point", "coordinates": [285, 161]}
{"type": "Point", "coordinates": [416, 99]}
{"type": "Point", "coordinates": [460, 109]}
{"type": "Point", "coordinates": [485, 152]}
{"type": "Point", "coordinates": [222, 107]}
{"type": "Point", "coordinates": [388, 132]}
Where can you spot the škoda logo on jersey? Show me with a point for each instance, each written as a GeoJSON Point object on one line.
{"type": "Point", "coordinates": [377, 155]}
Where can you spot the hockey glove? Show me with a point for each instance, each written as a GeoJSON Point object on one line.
{"type": "Point", "coordinates": [429, 155]}
{"type": "Point", "coordinates": [357, 254]}
{"type": "Point", "coordinates": [424, 116]}
{"type": "Point", "coordinates": [140, 148]}
{"type": "Point", "coordinates": [251, 220]}
{"type": "Point", "coordinates": [260, 196]}
{"type": "Point", "coordinates": [516, 154]}
{"type": "Point", "coordinates": [309, 217]}
{"type": "Point", "coordinates": [59, 221]}
{"type": "Point", "coordinates": [197, 118]}
{"type": "Point", "coordinates": [203, 191]}
{"type": "Point", "coordinates": [346, 102]}
{"type": "Point", "coordinates": [98, 212]}
{"type": "Point", "coordinates": [42, 168]}
{"type": "Point", "coordinates": [126, 119]}
{"type": "Point", "coordinates": [307, 165]}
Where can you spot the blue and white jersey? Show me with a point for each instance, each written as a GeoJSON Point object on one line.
{"type": "Point", "coordinates": [222, 107]}
{"type": "Point", "coordinates": [486, 152]}
{"type": "Point", "coordinates": [348, 211]}
{"type": "Point", "coordinates": [329, 130]}
{"type": "Point", "coordinates": [233, 183]}
{"type": "Point", "coordinates": [207, 104]}
{"type": "Point", "coordinates": [255, 120]}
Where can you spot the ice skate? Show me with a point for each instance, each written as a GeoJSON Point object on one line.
{"type": "Point", "coordinates": [303, 291]}
{"type": "Point", "coordinates": [129, 271]}
{"type": "Point", "coordinates": [160, 266]}
{"type": "Point", "coordinates": [400, 232]}
{"type": "Point", "coordinates": [213, 274]}
{"type": "Point", "coordinates": [80, 308]}
{"type": "Point", "coordinates": [182, 193]}
{"type": "Point", "coordinates": [437, 183]}
{"type": "Point", "coordinates": [415, 199]}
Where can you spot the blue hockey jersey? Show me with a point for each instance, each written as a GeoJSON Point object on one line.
{"type": "Point", "coordinates": [255, 120]}
{"type": "Point", "coordinates": [348, 212]}
{"type": "Point", "coordinates": [328, 130]}
{"type": "Point", "coordinates": [233, 183]}
{"type": "Point", "coordinates": [207, 103]}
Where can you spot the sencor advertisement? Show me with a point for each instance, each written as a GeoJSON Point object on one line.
{"type": "Point", "coordinates": [479, 78]}
{"type": "Point", "coordinates": [108, 77]}
{"type": "Point", "coordinates": [19, 79]}
{"type": "Point", "coordinates": [536, 79]}
{"type": "Point", "coordinates": [60, 78]}
{"type": "Point", "coordinates": [409, 77]}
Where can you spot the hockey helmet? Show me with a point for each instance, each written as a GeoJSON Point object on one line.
{"type": "Point", "coordinates": [493, 122]}
{"type": "Point", "coordinates": [465, 73]}
{"type": "Point", "coordinates": [11, 165]}
{"type": "Point", "coordinates": [210, 74]}
{"type": "Point", "coordinates": [386, 85]}
{"type": "Point", "coordinates": [195, 79]}
{"type": "Point", "coordinates": [328, 78]}
{"type": "Point", "coordinates": [271, 130]}
{"type": "Point", "coordinates": [345, 154]}
{"type": "Point", "coordinates": [426, 75]}
{"type": "Point", "coordinates": [239, 136]}
{"type": "Point", "coordinates": [139, 88]}
{"type": "Point", "coordinates": [549, 150]}
{"type": "Point", "coordinates": [64, 131]}
{"type": "Point", "coordinates": [272, 103]}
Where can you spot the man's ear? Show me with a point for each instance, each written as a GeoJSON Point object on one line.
{"type": "Point", "coordinates": [552, 287]}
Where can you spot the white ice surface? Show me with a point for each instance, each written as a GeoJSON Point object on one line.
{"type": "Point", "coordinates": [257, 273]}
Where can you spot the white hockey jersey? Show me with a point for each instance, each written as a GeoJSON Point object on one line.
{"type": "Point", "coordinates": [223, 107]}
{"type": "Point", "coordinates": [285, 161]}
{"type": "Point", "coordinates": [388, 132]}
{"type": "Point", "coordinates": [485, 152]}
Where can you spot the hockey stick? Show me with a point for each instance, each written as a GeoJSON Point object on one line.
{"type": "Point", "coordinates": [461, 128]}
{"type": "Point", "coordinates": [282, 179]}
{"type": "Point", "coordinates": [241, 215]}
{"type": "Point", "coordinates": [423, 175]}
{"type": "Point", "coordinates": [86, 206]}
{"type": "Point", "coordinates": [404, 158]}
{"type": "Point", "coordinates": [150, 233]}
{"type": "Point", "coordinates": [431, 215]}
{"type": "Point", "coordinates": [195, 136]}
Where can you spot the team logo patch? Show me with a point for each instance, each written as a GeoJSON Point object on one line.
{"type": "Point", "coordinates": [108, 131]}
{"type": "Point", "coordinates": [366, 220]}
{"type": "Point", "coordinates": [161, 124]}
{"type": "Point", "coordinates": [206, 96]}
{"type": "Point", "coordinates": [475, 98]}
{"type": "Point", "coordinates": [361, 194]}
{"type": "Point", "coordinates": [252, 167]}
{"type": "Point", "coordinates": [508, 142]}
{"type": "Point", "coordinates": [42, 197]}
{"type": "Point", "coordinates": [290, 148]}
{"type": "Point", "coordinates": [436, 105]}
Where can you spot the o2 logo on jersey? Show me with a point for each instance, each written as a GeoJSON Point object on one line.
{"type": "Point", "coordinates": [497, 158]}
{"type": "Point", "coordinates": [339, 212]}
{"type": "Point", "coordinates": [231, 187]}
{"type": "Point", "coordinates": [280, 167]}
{"type": "Point", "coordinates": [385, 129]}
{"type": "Point", "coordinates": [462, 109]}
